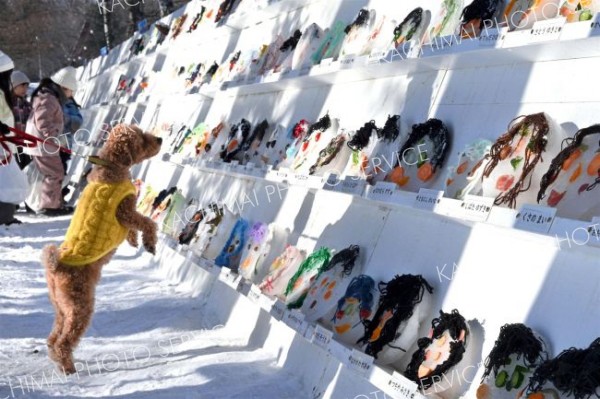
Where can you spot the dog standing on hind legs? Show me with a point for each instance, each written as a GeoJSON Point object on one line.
{"type": "Point", "coordinates": [105, 216]}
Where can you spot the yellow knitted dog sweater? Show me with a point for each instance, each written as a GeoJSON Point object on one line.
{"type": "Point", "coordinates": [94, 230]}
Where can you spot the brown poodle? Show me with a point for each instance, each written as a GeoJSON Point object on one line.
{"type": "Point", "coordinates": [74, 268]}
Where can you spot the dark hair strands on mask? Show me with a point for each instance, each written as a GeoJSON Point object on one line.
{"type": "Point", "coordinates": [454, 323]}
{"type": "Point", "coordinates": [213, 69]}
{"type": "Point", "coordinates": [345, 258]}
{"type": "Point", "coordinates": [224, 9]}
{"type": "Point", "coordinates": [361, 20]}
{"type": "Point", "coordinates": [514, 339]}
{"type": "Point", "coordinates": [291, 43]}
{"type": "Point", "coordinates": [400, 296]}
{"type": "Point", "coordinates": [197, 20]}
{"type": "Point", "coordinates": [257, 134]}
{"type": "Point", "coordinates": [413, 19]}
{"type": "Point", "coordinates": [390, 130]}
{"type": "Point", "coordinates": [484, 10]}
{"type": "Point", "coordinates": [533, 154]}
{"type": "Point", "coordinates": [556, 165]}
{"type": "Point", "coordinates": [438, 133]}
{"type": "Point", "coordinates": [321, 125]}
{"type": "Point", "coordinates": [574, 372]}
{"type": "Point", "coordinates": [362, 137]}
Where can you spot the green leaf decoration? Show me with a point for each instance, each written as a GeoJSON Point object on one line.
{"type": "Point", "coordinates": [515, 162]}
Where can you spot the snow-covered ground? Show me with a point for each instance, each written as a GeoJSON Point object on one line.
{"type": "Point", "coordinates": [147, 338]}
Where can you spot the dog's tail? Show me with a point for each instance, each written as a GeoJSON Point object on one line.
{"type": "Point", "coordinates": [50, 257]}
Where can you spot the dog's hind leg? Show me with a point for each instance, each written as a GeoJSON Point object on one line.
{"type": "Point", "coordinates": [50, 261]}
{"type": "Point", "coordinates": [76, 297]}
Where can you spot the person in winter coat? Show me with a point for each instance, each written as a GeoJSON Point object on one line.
{"type": "Point", "coordinates": [13, 182]}
{"type": "Point", "coordinates": [73, 121]}
{"type": "Point", "coordinates": [47, 123]}
{"type": "Point", "coordinates": [21, 110]}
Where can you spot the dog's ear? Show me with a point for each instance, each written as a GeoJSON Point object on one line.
{"type": "Point", "coordinates": [121, 144]}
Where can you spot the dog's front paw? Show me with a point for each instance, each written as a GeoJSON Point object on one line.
{"type": "Point", "coordinates": [149, 239]}
{"type": "Point", "coordinates": [150, 248]}
{"type": "Point", "coordinates": [132, 238]}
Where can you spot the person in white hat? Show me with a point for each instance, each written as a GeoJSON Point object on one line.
{"type": "Point", "coordinates": [47, 123]}
{"type": "Point", "coordinates": [13, 182]}
{"type": "Point", "coordinates": [21, 109]}
{"type": "Point", "coordinates": [73, 119]}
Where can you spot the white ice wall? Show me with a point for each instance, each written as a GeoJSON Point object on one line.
{"type": "Point", "coordinates": [493, 275]}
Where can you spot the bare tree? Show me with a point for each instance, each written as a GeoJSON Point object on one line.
{"type": "Point", "coordinates": [106, 21]}
{"type": "Point", "coordinates": [136, 14]}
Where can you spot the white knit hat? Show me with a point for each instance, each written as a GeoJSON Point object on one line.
{"type": "Point", "coordinates": [66, 77]}
{"type": "Point", "coordinates": [18, 78]}
{"type": "Point", "coordinates": [6, 64]}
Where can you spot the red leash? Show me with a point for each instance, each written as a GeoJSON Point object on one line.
{"type": "Point", "coordinates": [24, 140]}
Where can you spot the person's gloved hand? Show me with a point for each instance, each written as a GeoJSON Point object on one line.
{"type": "Point", "coordinates": [4, 130]}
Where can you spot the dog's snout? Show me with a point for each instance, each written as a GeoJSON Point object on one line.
{"type": "Point", "coordinates": [159, 140]}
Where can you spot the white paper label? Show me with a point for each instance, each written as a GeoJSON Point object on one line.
{"type": "Point", "coordinates": [278, 309]}
{"type": "Point", "coordinates": [326, 63]}
{"type": "Point", "coordinates": [428, 199]}
{"type": "Point", "coordinates": [547, 30]}
{"type": "Point", "coordinates": [492, 37]}
{"type": "Point", "coordinates": [347, 62]}
{"type": "Point", "coordinates": [295, 320]}
{"type": "Point", "coordinates": [476, 208]}
{"type": "Point", "coordinates": [283, 174]}
{"type": "Point", "coordinates": [229, 278]}
{"type": "Point", "coordinates": [360, 362]}
{"type": "Point", "coordinates": [351, 185]}
{"type": "Point", "coordinates": [377, 57]}
{"type": "Point", "coordinates": [399, 387]}
{"type": "Point", "coordinates": [255, 294]}
{"type": "Point", "coordinates": [535, 218]}
{"type": "Point", "coordinates": [321, 337]}
{"type": "Point", "coordinates": [382, 191]}
{"type": "Point", "coordinates": [441, 44]}
{"type": "Point", "coordinates": [301, 179]}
